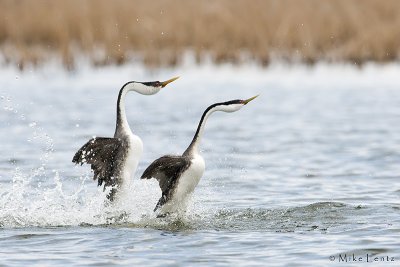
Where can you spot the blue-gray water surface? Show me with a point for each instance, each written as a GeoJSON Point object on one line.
{"type": "Point", "coordinates": [305, 175]}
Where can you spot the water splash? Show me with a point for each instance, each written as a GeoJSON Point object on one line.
{"type": "Point", "coordinates": [26, 205]}
{"type": "Point", "coordinates": [40, 197]}
{"type": "Point", "coordinates": [36, 197]}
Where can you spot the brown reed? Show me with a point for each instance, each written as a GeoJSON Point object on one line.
{"type": "Point", "coordinates": [159, 31]}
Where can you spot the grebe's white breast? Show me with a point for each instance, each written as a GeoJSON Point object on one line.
{"type": "Point", "coordinates": [189, 179]}
{"type": "Point", "coordinates": [134, 153]}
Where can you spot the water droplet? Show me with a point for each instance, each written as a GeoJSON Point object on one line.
{"type": "Point", "coordinates": [32, 124]}
{"type": "Point", "coordinates": [77, 125]}
{"type": "Point", "coordinates": [162, 33]}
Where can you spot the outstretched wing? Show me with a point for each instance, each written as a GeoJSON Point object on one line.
{"type": "Point", "coordinates": [166, 170]}
{"type": "Point", "coordinates": [102, 154]}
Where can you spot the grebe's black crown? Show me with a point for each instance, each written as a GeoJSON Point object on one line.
{"type": "Point", "coordinates": [154, 84]}
{"type": "Point", "coordinates": [236, 101]}
{"type": "Point", "coordinates": [231, 102]}
{"type": "Point", "coordinates": [160, 84]}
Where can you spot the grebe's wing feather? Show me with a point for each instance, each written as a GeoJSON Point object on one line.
{"type": "Point", "coordinates": [166, 170]}
{"type": "Point", "coordinates": [103, 154]}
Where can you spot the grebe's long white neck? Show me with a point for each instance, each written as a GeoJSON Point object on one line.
{"type": "Point", "coordinates": [226, 107]}
{"type": "Point", "coordinates": [144, 88]}
{"type": "Point", "coordinates": [194, 145]}
{"type": "Point", "coordinates": [122, 126]}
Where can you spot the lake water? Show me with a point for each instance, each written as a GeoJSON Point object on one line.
{"type": "Point", "coordinates": [305, 175]}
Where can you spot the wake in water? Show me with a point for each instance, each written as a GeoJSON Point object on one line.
{"type": "Point", "coordinates": [25, 205]}
{"type": "Point", "coordinates": [35, 199]}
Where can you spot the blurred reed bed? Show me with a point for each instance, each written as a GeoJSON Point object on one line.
{"type": "Point", "coordinates": [160, 31]}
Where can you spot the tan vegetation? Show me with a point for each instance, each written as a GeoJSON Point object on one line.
{"type": "Point", "coordinates": [159, 31]}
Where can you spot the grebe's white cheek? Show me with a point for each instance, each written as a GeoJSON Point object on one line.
{"type": "Point", "coordinates": [154, 90]}
{"type": "Point", "coordinates": [233, 108]}
{"type": "Point", "coordinates": [147, 90]}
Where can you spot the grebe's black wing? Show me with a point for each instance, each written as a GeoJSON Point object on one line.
{"type": "Point", "coordinates": [167, 171]}
{"type": "Point", "coordinates": [103, 154]}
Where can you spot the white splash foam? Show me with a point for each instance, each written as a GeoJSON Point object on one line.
{"type": "Point", "coordinates": [23, 204]}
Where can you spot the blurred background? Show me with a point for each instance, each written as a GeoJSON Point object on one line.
{"type": "Point", "coordinates": [159, 33]}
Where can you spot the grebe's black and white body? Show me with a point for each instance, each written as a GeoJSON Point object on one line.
{"type": "Point", "coordinates": [114, 160]}
{"type": "Point", "coordinates": [178, 176]}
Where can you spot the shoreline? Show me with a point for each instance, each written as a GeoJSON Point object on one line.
{"type": "Point", "coordinates": [187, 59]}
{"type": "Point", "coordinates": [241, 59]}
{"type": "Point", "coordinates": [208, 74]}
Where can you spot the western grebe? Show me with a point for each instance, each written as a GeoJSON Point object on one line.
{"type": "Point", "coordinates": [177, 176]}
{"type": "Point", "coordinates": [114, 160]}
